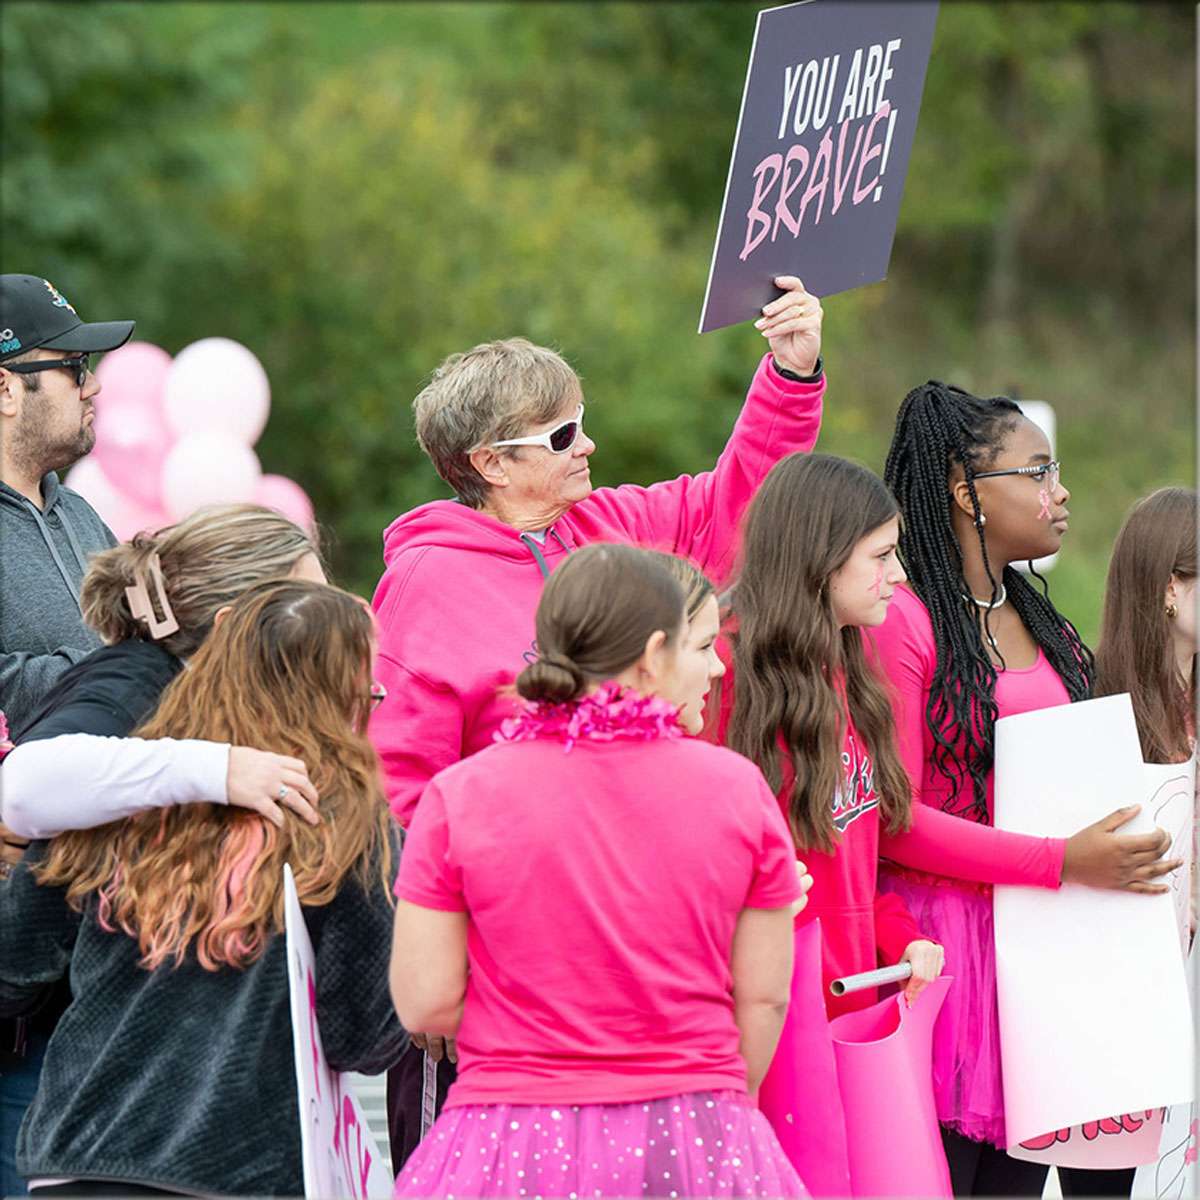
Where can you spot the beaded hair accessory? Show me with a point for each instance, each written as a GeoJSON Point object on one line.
{"type": "Point", "coordinates": [138, 597]}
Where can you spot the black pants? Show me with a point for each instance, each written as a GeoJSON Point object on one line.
{"type": "Point", "coordinates": [405, 1083]}
{"type": "Point", "coordinates": [980, 1169]}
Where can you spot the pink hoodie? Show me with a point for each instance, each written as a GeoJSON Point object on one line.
{"type": "Point", "coordinates": [459, 590]}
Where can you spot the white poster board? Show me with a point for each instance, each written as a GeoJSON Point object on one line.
{"type": "Point", "coordinates": [340, 1158]}
{"type": "Point", "coordinates": [1173, 1176]}
{"type": "Point", "coordinates": [1095, 1025]}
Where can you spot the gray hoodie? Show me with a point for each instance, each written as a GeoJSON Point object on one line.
{"type": "Point", "coordinates": [43, 556]}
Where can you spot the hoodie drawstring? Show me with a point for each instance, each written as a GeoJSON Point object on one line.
{"type": "Point", "coordinates": [531, 544]}
{"type": "Point", "coordinates": [79, 558]}
{"type": "Point", "coordinates": [58, 562]}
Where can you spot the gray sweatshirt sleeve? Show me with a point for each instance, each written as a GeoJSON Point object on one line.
{"type": "Point", "coordinates": [25, 678]}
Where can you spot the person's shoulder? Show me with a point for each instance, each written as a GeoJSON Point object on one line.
{"type": "Point", "coordinates": [79, 510]}
{"type": "Point", "coordinates": [907, 611]}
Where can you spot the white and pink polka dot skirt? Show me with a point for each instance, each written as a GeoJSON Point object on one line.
{"type": "Point", "coordinates": [698, 1144]}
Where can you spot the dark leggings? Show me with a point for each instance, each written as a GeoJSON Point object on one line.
{"type": "Point", "coordinates": [405, 1084]}
{"type": "Point", "coordinates": [980, 1169]}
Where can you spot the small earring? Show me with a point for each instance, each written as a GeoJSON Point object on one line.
{"type": "Point", "coordinates": [981, 520]}
{"type": "Point", "coordinates": [1172, 612]}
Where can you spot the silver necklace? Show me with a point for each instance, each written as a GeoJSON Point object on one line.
{"type": "Point", "coordinates": [988, 604]}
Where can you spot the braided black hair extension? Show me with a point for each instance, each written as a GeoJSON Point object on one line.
{"type": "Point", "coordinates": [937, 426]}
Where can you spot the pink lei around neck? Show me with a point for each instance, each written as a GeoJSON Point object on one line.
{"type": "Point", "coordinates": [606, 714]}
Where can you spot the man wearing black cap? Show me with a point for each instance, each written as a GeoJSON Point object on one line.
{"type": "Point", "coordinates": [47, 532]}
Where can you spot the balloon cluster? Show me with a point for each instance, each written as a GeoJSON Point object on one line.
{"type": "Point", "coordinates": [173, 434]}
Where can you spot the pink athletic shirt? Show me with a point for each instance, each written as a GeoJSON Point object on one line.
{"type": "Point", "coordinates": [602, 885]}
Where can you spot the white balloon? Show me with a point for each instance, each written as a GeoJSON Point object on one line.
{"type": "Point", "coordinates": [217, 385]}
{"type": "Point", "coordinates": [208, 468]}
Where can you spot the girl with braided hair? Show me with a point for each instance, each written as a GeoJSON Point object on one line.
{"type": "Point", "coordinates": [970, 640]}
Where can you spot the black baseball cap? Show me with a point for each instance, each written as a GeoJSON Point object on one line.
{"type": "Point", "coordinates": [35, 315]}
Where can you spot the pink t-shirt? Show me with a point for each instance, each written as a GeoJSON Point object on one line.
{"type": "Point", "coordinates": [603, 885]}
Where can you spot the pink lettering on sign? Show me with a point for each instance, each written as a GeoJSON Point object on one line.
{"type": "Point", "coordinates": [786, 172]}
{"type": "Point", "coordinates": [313, 1035]}
{"type": "Point", "coordinates": [1090, 1130]}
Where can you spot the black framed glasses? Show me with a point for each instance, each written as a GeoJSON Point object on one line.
{"type": "Point", "coordinates": [1048, 473]}
{"type": "Point", "coordinates": [81, 365]}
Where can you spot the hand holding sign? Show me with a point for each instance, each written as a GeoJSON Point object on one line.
{"type": "Point", "coordinates": [792, 326]}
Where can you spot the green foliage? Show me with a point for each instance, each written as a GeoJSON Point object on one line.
{"type": "Point", "coordinates": [356, 190]}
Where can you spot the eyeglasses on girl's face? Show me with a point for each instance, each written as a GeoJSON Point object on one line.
{"type": "Point", "coordinates": [1044, 473]}
{"type": "Point", "coordinates": [558, 440]}
{"type": "Point", "coordinates": [79, 365]}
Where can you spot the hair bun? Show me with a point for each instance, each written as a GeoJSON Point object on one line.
{"type": "Point", "coordinates": [553, 679]}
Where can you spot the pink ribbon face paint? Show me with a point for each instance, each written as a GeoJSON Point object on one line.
{"type": "Point", "coordinates": [1044, 497]}
{"type": "Point", "coordinates": [878, 583]}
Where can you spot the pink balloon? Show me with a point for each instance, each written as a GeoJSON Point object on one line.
{"type": "Point", "coordinates": [121, 513]}
{"type": "Point", "coordinates": [285, 496]}
{"type": "Point", "coordinates": [216, 385]}
{"type": "Point", "coordinates": [208, 468]}
{"type": "Point", "coordinates": [132, 437]}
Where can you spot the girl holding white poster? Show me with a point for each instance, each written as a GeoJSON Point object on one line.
{"type": "Point", "coordinates": [971, 640]}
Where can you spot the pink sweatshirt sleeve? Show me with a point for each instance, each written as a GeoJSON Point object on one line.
{"type": "Point", "coordinates": [938, 841]}
{"type": "Point", "coordinates": [894, 927]}
{"type": "Point", "coordinates": [409, 762]}
{"type": "Point", "coordinates": [698, 516]}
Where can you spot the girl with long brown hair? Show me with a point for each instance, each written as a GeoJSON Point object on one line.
{"type": "Point", "coordinates": [819, 564]}
{"type": "Point", "coordinates": [1148, 635]}
{"type": "Point", "coordinates": [172, 1068]}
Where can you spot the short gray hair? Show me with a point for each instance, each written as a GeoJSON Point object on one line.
{"type": "Point", "coordinates": [494, 391]}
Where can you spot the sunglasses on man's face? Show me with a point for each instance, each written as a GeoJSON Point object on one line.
{"type": "Point", "coordinates": [80, 365]}
{"type": "Point", "coordinates": [558, 440]}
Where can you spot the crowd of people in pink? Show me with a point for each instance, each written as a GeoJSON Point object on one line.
{"type": "Point", "coordinates": [558, 800]}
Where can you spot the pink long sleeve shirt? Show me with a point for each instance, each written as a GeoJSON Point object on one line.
{"type": "Point", "coordinates": [458, 595]}
{"type": "Point", "coordinates": [940, 844]}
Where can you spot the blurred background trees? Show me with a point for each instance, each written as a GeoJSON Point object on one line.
{"type": "Point", "coordinates": [356, 190]}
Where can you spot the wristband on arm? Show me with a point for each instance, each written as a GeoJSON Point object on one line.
{"type": "Point", "coordinates": [818, 371]}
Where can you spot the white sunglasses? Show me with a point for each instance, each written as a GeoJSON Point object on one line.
{"type": "Point", "coordinates": [558, 440]}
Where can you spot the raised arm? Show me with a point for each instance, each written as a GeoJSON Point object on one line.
{"type": "Point", "coordinates": [698, 515]}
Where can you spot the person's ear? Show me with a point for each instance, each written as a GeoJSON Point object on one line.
{"type": "Point", "coordinates": [9, 401]}
{"type": "Point", "coordinates": [491, 467]}
{"type": "Point", "coordinates": [960, 494]}
{"type": "Point", "coordinates": [221, 614]}
{"type": "Point", "coordinates": [1172, 596]}
{"type": "Point", "coordinates": [651, 664]}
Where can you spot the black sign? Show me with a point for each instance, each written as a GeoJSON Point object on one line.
{"type": "Point", "coordinates": [828, 116]}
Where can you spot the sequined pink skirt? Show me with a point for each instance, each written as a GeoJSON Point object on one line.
{"type": "Point", "coordinates": [698, 1144]}
{"type": "Point", "coordinates": [967, 1084]}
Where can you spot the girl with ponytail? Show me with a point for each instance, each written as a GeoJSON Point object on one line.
{"type": "Point", "coordinates": [968, 640]}
{"type": "Point", "coordinates": [599, 908]}
{"type": "Point", "coordinates": [171, 926]}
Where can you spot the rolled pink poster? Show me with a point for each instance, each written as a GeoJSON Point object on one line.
{"type": "Point", "coordinates": [885, 1071]}
{"type": "Point", "coordinates": [800, 1095]}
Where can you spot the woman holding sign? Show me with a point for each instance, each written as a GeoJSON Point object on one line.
{"type": "Point", "coordinates": [172, 1069]}
{"type": "Point", "coordinates": [968, 641]}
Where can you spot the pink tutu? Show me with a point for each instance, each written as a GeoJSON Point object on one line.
{"type": "Point", "coordinates": [967, 1083]}
{"type": "Point", "coordinates": [699, 1144]}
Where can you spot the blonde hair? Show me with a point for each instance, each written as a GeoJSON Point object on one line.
{"type": "Point", "coordinates": [287, 671]}
{"type": "Point", "coordinates": [207, 560]}
{"type": "Point", "coordinates": [494, 391]}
